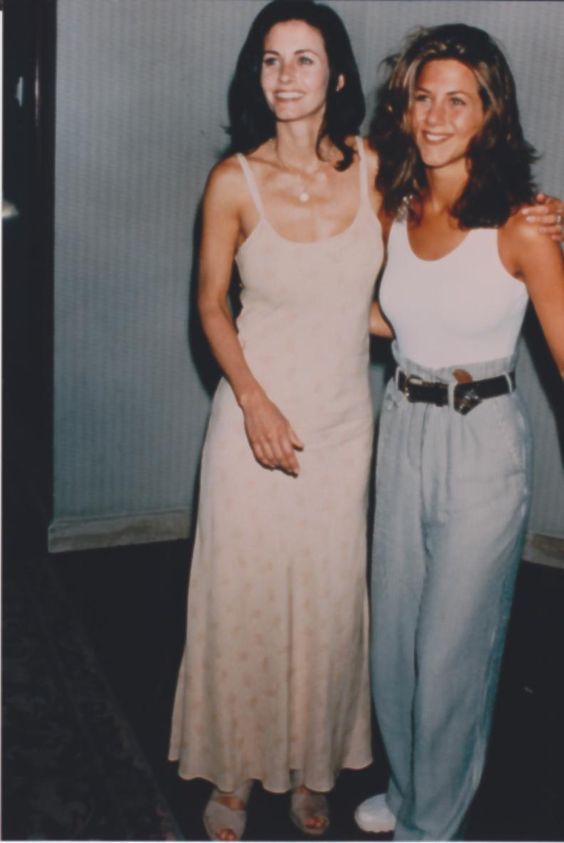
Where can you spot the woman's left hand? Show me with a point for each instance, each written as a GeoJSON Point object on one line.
{"type": "Point", "coordinates": [547, 215]}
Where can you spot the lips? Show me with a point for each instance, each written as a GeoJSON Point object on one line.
{"type": "Point", "coordinates": [287, 96]}
{"type": "Point", "coordinates": [435, 137]}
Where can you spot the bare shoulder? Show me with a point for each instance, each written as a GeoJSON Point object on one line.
{"type": "Point", "coordinates": [523, 248]}
{"type": "Point", "coordinates": [225, 179]}
{"type": "Point", "coordinates": [522, 239]}
{"type": "Point", "coordinates": [518, 231]}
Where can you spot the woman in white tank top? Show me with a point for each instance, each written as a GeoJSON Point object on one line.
{"type": "Point", "coordinates": [453, 467]}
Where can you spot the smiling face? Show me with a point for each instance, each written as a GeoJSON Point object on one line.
{"type": "Point", "coordinates": [446, 112]}
{"type": "Point", "coordinates": [295, 71]}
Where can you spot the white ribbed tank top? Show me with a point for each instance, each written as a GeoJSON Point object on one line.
{"type": "Point", "coordinates": [462, 308]}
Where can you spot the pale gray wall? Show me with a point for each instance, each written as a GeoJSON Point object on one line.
{"type": "Point", "coordinates": [141, 92]}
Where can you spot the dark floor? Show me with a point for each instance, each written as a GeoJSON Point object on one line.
{"type": "Point", "coordinates": [129, 608]}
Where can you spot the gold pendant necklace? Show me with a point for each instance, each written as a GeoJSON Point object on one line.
{"type": "Point", "coordinates": [303, 193]}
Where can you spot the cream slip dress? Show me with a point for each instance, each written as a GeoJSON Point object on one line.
{"type": "Point", "coordinates": [274, 677]}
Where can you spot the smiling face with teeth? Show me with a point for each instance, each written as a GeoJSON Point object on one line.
{"type": "Point", "coordinates": [295, 71]}
{"type": "Point", "coordinates": [446, 112]}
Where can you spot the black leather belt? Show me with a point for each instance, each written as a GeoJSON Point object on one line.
{"type": "Point", "coordinates": [466, 395]}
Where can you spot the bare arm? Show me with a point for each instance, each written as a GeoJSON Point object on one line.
{"type": "Point", "coordinates": [538, 261]}
{"type": "Point", "coordinates": [270, 435]}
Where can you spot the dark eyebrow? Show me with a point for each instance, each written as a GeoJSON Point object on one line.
{"type": "Point", "coordinates": [449, 93]}
{"type": "Point", "coordinates": [296, 52]}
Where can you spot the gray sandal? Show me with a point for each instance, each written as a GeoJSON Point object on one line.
{"type": "Point", "coordinates": [307, 804]}
{"type": "Point", "coordinates": [220, 817]}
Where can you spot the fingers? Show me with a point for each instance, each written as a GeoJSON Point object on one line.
{"type": "Point", "coordinates": [295, 439]}
{"type": "Point", "coordinates": [277, 455]}
{"type": "Point", "coordinates": [536, 212]}
{"type": "Point", "coordinates": [548, 219]}
{"type": "Point", "coordinates": [552, 225]}
{"type": "Point", "coordinates": [271, 437]}
{"type": "Point", "coordinates": [278, 450]}
{"type": "Point", "coordinates": [263, 454]}
{"type": "Point", "coordinates": [555, 232]}
{"type": "Point", "coordinates": [287, 459]}
{"type": "Point", "coordinates": [543, 205]}
{"type": "Point", "coordinates": [284, 450]}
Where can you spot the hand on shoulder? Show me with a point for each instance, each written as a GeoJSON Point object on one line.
{"type": "Point", "coordinates": [547, 215]}
{"type": "Point", "coordinates": [524, 249]}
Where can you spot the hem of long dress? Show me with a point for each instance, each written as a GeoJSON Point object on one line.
{"type": "Point", "coordinates": [316, 785]}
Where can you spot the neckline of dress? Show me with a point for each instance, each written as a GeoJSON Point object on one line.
{"type": "Point", "coordinates": [263, 220]}
{"type": "Point", "coordinates": [319, 239]}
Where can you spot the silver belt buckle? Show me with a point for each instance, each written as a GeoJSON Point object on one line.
{"type": "Point", "coordinates": [409, 381]}
{"type": "Point", "coordinates": [467, 401]}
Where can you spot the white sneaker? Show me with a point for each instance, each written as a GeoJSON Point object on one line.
{"type": "Point", "coordinates": [374, 815]}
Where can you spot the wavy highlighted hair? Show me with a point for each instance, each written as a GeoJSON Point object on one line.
{"type": "Point", "coordinates": [499, 157]}
{"type": "Point", "coordinates": [251, 120]}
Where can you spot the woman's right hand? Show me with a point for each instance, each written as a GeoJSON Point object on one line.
{"type": "Point", "coordinates": [271, 436]}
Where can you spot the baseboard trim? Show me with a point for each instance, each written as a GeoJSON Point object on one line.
{"type": "Point", "coordinates": [544, 550]}
{"type": "Point", "coordinates": [79, 533]}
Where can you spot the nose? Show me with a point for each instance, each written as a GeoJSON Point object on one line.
{"type": "Point", "coordinates": [285, 74]}
{"type": "Point", "coordinates": [435, 113]}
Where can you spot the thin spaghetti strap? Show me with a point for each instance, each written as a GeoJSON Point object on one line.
{"type": "Point", "coordinates": [251, 183]}
{"type": "Point", "coordinates": [362, 170]}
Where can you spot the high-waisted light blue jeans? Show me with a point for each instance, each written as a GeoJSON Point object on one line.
{"type": "Point", "coordinates": [452, 497]}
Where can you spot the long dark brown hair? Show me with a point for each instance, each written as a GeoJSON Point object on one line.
{"type": "Point", "coordinates": [499, 157]}
{"type": "Point", "coordinates": [251, 120]}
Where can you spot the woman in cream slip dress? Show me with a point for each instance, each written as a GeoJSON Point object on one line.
{"type": "Point", "coordinates": [274, 682]}
{"type": "Point", "coordinates": [275, 675]}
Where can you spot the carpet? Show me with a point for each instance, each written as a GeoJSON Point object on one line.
{"type": "Point", "coordinates": [73, 769]}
